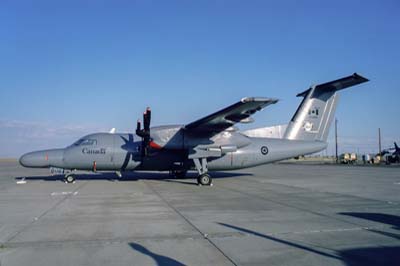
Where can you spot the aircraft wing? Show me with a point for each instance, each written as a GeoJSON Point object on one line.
{"type": "Point", "coordinates": [239, 112]}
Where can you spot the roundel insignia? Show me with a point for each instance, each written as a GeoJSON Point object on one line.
{"type": "Point", "coordinates": [264, 150]}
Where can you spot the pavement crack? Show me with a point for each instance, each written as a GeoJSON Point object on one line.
{"type": "Point", "coordinates": [205, 236]}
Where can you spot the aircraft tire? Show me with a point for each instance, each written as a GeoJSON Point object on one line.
{"type": "Point", "coordinates": [69, 179]}
{"type": "Point", "coordinates": [204, 180]}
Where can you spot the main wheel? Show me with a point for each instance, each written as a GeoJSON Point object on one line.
{"type": "Point", "coordinates": [204, 180]}
{"type": "Point", "coordinates": [69, 178]}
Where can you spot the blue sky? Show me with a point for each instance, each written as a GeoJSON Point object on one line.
{"type": "Point", "coordinates": [69, 68]}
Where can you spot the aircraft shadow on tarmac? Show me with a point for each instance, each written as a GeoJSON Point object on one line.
{"type": "Point", "coordinates": [383, 218]}
{"type": "Point", "coordinates": [135, 176]}
{"type": "Point", "coordinates": [388, 219]}
{"type": "Point", "coordinates": [375, 255]}
{"type": "Point", "coordinates": [160, 260]}
{"type": "Point", "coordinates": [380, 255]}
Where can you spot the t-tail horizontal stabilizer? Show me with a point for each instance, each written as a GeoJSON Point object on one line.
{"type": "Point", "coordinates": [314, 115]}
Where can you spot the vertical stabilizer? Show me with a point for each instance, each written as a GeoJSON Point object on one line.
{"type": "Point", "coordinates": [315, 113]}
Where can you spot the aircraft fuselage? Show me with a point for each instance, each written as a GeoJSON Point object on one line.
{"type": "Point", "coordinates": [122, 152]}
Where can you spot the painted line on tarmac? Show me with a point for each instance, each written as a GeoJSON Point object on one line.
{"type": "Point", "coordinates": [332, 230]}
{"type": "Point", "coordinates": [64, 193]}
{"type": "Point", "coordinates": [21, 181]}
{"type": "Point", "coordinates": [35, 219]}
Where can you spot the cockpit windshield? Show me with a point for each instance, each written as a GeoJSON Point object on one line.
{"type": "Point", "coordinates": [85, 142]}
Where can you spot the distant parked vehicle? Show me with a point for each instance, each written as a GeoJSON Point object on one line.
{"type": "Point", "coordinates": [353, 158]}
{"type": "Point", "coordinates": [348, 158]}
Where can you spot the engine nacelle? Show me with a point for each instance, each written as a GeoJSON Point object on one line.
{"type": "Point", "coordinates": [167, 137]}
{"type": "Point", "coordinates": [176, 137]}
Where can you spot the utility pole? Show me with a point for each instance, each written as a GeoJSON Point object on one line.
{"type": "Point", "coordinates": [379, 136]}
{"type": "Point", "coordinates": [336, 143]}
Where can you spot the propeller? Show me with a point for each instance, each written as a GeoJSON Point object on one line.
{"type": "Point", "coordinates": [129, 154]}
{"type": "Point", "coordinates": [145, 132]}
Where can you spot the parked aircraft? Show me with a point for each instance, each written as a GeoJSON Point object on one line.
{"type": "Point", "coordinates": [396, 150]}
{"type": "Point", "coordinates": [391, 155]}
{"type": "Point", "coordinates": [210, 143]}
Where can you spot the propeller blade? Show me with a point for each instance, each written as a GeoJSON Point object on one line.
{"type": "Point", "coordinates": [147, 119]}
{"type": "Point", "coordinates": [138, 128]}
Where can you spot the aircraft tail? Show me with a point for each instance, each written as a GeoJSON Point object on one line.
{"type": "Point", "coordinates": [315, 113]}
{"type": "Point", "coordinates": [396, 147]}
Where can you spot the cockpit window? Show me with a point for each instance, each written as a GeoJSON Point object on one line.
{"type": "Point", "coordinates": [78, 142]}
{"type": "Point", "coordinates": [85, 142]}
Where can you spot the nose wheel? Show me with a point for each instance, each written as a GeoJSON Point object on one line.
{"type": "Point", "coordinates": [69, 178]}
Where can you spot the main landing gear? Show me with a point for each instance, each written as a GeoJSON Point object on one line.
{"type": "Point", "coordinates": [204, 179]}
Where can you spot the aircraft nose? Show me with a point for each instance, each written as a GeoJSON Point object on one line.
{"type": "Point", "coordinates": [34, 159]}
{"type": "Point", "coordinates": [41, 159]}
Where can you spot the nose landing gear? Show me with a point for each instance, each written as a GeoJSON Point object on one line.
{"type": "Point", "coordinates": [69, 178]}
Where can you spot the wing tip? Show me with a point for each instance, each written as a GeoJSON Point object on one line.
{"type": "Point", "coordinates": [359, 77]}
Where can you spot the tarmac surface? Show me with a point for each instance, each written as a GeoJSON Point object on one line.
{"type": "Point", "coordinates": [279, 214]}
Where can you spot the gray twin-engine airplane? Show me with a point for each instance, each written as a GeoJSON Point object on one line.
{"type": "Point", "coordinates": [210, 143]}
